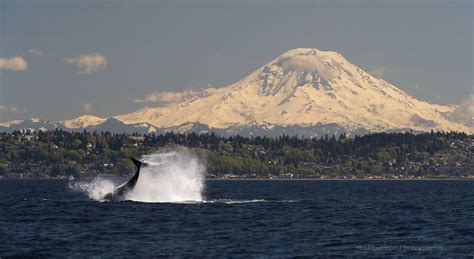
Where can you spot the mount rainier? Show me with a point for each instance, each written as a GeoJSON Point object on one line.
{"type": "Point", "coordinates": [302, 92]}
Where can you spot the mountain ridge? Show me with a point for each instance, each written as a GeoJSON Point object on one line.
{"type": "Point", "coordinates": [300, 91]}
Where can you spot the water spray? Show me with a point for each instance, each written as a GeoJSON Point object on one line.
{"type": "Point", "coordinates": [173, 176]}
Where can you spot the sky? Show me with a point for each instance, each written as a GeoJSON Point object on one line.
{"type": "Point", "coordinates": [62, 59]}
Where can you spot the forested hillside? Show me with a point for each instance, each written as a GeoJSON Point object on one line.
{"type": "Point", "coordinates": [61, 154]}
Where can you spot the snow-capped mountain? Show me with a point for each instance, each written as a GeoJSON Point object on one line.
{"type": "Point", "coordinates": [302, 92]}
{"type": "Point", "coordinates": [83, 121]}
{"type": "Point", "coordinates": [304, 88]}
{"type": "Point", "coordinates": [89, 123]}
{"type": "Point", "coordinates": [34, 123]}
{"type": "Point", "coordinates": [115, 126]}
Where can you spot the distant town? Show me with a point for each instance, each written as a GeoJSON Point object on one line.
{"type": "Point", "coordinates": [29, 153]}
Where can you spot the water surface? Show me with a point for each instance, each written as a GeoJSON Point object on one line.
{"type": "Point", "coordinates": [244, 218]}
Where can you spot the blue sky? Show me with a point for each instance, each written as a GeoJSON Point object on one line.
{"type": "Point", "coordinates": [97, 56]}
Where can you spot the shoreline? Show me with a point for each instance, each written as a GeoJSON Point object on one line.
{"type": "Point", "coordinates": [263, 179]}
{"type": "Point", "coordinates": [313, 179]}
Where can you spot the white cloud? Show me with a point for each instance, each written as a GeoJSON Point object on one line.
{"type": "Point", "coordinates": [12, 109]}
{"type": "Point", "coordinates": [35, 52]}
{"type": "Point", "coordinates": [304, 63]}
{"type": "Point", "coordinates": [14, 63]}
{"type": "Point", "coordinates": [378, 72]}
{"type": "Point", "coordinates": [465, 110]}
{"type": "Point", "coordinates": [88, 64]}
{"type": "Point", "coordinates": [419, 87]}
{"type": "Point", "coordinates": [87, 107]}
{"type": "Point", "coordinates": [172, 97]}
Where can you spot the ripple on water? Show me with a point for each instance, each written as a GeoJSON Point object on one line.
{"type": "Point", "coordinates": [244, 218]}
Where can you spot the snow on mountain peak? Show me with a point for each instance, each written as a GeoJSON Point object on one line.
{"type": "Point", "coordinates": [310, 61]}
{"type": "Point", "coordinates": [304, 66]}
{"type": "Point", "coordinates": [83, 121]}
{"type": "Point", "coordinates": [313, 54]}
{"type": "Point", "coordinates": [307, 87]}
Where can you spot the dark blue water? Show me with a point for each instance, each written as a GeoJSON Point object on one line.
{"type": "Point", "coordinates": [369, 218]}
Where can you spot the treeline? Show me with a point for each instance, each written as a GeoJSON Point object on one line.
{"type": "Point", "coordinates": [61, 153]}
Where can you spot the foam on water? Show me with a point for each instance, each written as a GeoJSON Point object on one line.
{"type": "Point", "coordinates": [95, 189]}
{"type": "Point", "coordinates": [232, 201]}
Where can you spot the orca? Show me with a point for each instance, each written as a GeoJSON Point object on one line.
{"type": "Point", "coordinates": [120, 191]}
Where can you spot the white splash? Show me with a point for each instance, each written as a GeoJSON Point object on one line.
{"type": "Point", "coordinates": [175, 176]}
{"type": "Point", "coordinates": [95, 189]}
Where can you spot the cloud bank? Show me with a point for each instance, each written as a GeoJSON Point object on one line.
{"type": "Point", "coordinates": [35, 52]}
{"type": "Point", "coordinates": [173, 97]}
{"type": "Point", "coordinates": [465, 110]}
{"type": "Point", "coordinates": [378, 72]}
{"type": "Point", "coordinates": [87, 107]}
{"type": "Point", "coordinates": [88, 64]}
{"type": "Point", "coordinates": [12, 109]}
{"type": "Point", "coordinates": [14, 64]}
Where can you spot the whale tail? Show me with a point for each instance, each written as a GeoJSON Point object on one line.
{"type": "Point", "coordinates": [138, 163]}
{"type": "Point", "coordinates": [128, 186]}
